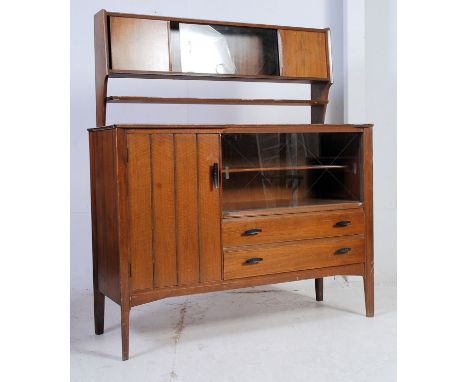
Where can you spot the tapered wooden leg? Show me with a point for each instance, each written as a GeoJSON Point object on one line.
{"type": "Point", "coordinates": [369, 294]}
{"type": "Point", "coordinates": [99, 303]}
{"type": "Point", "coordinates": [319, 289]}
{"type": "Point", "coordinates": [125, 328]}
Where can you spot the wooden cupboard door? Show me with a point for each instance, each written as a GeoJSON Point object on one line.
{"type": "Point", "coordinates": [303, 54]}
{"type": "Point", "coordinates": [197, 205]}
{"type": "Point", "coordinates": [139, 44]}
{"type": "Point", "coordinates": [151, 201]}
{"type": "Point", "coordinates": [174, 209]}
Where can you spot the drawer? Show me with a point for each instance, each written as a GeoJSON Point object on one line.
{"type": "Point", "coordinates": [270, 229]}
{"type": "Point", "coordinates": [293, 256]}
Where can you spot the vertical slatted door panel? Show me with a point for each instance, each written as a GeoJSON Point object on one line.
{"type": "Point", "coordinates": [140, 211]}
{"type": "Point", "coordinates": [164, 233]}
{"type": "Point", "coordinates": [186, 186]}
{"type": "Point", "coordinates": [303, 54]}
{"type": "Point", "coordinates": [209, 209]}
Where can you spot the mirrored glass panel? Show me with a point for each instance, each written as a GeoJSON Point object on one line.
{"type": "Point", "coordinates": [263, 171]}
{"type": "Point", "coordinates": [221, 49]}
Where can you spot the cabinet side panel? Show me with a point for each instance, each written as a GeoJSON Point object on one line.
{"type": "Point", "coordinates": [369, 213]}
{"type": "Point", "coordinates": [303, 54]}
{"type": "Point", "coordinates": [186, 208]}
{"type": "Point", "coordinates": [140, 211]}
{"type": "Point", "coordinates": [209, 215]}
{"type": "Point", "coordinates": [164, 233]}
{"type": "Point", "coordinates": [105, 217]}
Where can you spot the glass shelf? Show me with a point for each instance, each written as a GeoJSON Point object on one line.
{"type": "Point", "coordinates": [280, 168]}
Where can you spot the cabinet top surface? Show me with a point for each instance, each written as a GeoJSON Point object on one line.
{"type": "Point", "coordinates": [240, 127]}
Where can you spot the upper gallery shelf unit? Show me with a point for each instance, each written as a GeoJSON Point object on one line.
{"type": "Point", "coordinates": [145, 45]}
{"type": "Point", "coordinates": [138, 46]}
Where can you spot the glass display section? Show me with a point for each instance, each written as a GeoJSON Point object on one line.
{"type": "Point", "coordinates": [289, 170]}
{"type": "Point", "coordinates": [222, 49]}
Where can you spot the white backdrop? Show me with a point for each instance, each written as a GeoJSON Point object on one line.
{"type": "Point", "coordinates": [307, 13]}
{"type": "Point", "coordinates": [381, 109]}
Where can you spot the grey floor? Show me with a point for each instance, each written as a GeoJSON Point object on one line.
{"type": "Point", "coordinates": [272, 333]}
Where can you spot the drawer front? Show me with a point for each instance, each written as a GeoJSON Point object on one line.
{"type": "Point", "coordinates": [293, 256]}
{"type": "Point", "coordinates": [271, 229]}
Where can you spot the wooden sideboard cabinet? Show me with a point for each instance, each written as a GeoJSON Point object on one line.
{"type": "Point", "coordinates": [183, 209]}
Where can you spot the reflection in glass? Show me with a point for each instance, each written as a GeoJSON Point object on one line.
{"type": "Point", "coordinates": [289, 169]}
{"type": "Point", "coordinates": [221, 49]}
{"type": "Point", "coordinates": [204, 50]}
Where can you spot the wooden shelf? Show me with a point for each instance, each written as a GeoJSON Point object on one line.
{"type": "Point", "coordinates": [281, 207]}
{"type": "Point", "coordinates": [280, 168]}
{"type": "Point", "coordinates": [215, 101]}
{"type": "Point", "coordinates": [212, 77]}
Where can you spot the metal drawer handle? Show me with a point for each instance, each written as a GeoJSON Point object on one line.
{"type": "Point", "coordinates": [253, 260]}
{"type": "Point", "coordinates": [342, 223]}
{"type": "Point", "coordinates": [342, 251]}
{"type": "Point", "coordinates": [251, 232]}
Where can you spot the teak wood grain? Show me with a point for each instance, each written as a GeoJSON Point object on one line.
{"type": "Point", "coordinates": [157, 294]}
{"type": "Point", "coordinates": [235, 210]}
{"type": "Point", "coordinates": [217, 101]}
{"type": "Point", "coordinates": [209, 208]}
{"type": "Point", "coordinates": [214, 22]}
{"type": "Point", "coordinates": [104, 203]}
{"type": "Point", "coordinates": [186, 184]}
{"type": "Point", "coordinates": [99, 298]}
{"type": "Point", "coordinates": [161, 228]}
{"type": "Point", "coordinates": [164, 219]}
{"type": "Point", "coordinates": [173, 75]}
{"type": "Point", "coordinates": [101, 64]}
{"type": "Point", "coordinates": [139, 44]}
{"type": "Point", "coordinates": [312, 59]}
{"type": "Point", "coordinates": [293, 256]}
{"type": "Point", "coordinates": [123, 237]}
{"type": "Point", "coordinates": [292, 227]}
{"type": "Point", "coordinates": [236, 128]}
{"type": "Point", "coordinates": [368, 210]}
{"type": "Point", "coordinates": [140, 209]}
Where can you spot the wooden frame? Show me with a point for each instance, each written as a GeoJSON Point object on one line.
{"type": "Point", "coordinates": [162, 181]}
{"type": "Point", "coordinates": [320, 80]}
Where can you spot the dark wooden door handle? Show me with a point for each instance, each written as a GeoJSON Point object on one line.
{"type": "Point", "coordinates": [253, 231]}
{"type": "Point", "coordinates": [342, 223]}
{"type": "Point", "coordinates": [253, 260]}
{"type": "Point", "coordinates": [215, 175]}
